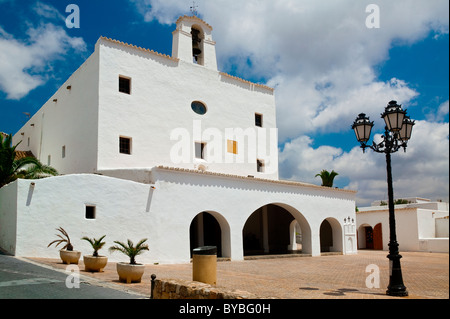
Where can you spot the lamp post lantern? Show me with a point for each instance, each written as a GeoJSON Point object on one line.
{"type": "Point", "coordinates": [397, 134]}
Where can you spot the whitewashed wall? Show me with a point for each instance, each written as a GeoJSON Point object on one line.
{"type": "Point", "coordinates": [160, 106]}
{"type": "Point", "coordinates": [88, 119]}
{"type": "Point", "coordinates": [126, 209]}
{"type": "Point", "coordinates": [70, 121]}
{"type": "Point", "coordinates": [8, 217]}
{"type": "Point", "coordinates": [413, 225]}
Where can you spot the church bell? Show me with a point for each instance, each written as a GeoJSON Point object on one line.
{"type": "Point", "coordinates": [196, 43]}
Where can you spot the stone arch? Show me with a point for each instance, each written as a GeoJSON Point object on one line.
{"type": "Point", "coordinates": [268, 230]}
{"type": "Point", "coordinates": [210, 228]}
{"type": "Point", "coordinates": [331, 236]}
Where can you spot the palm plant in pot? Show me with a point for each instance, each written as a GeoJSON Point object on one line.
{"type": "Point", "coordinates": [94, 262]}
{"type": "Point", "coordinates": [131, 272]}
{"type": "Point", "coordinates": [67, 254]}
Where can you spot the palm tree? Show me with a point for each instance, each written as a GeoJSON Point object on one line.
{"type": "Point", "coordinates": [66, 239]}
{"type": "Point", "coordinates": [37, 171]}
{"type": "Point", "coordinates": [129, 249]}
{"type": "Point", "coordinates": [26, 168]}
{"type": "Point", "coordinates": [97, 244]}
{"type": "Point", "coordinates": [327, 177]}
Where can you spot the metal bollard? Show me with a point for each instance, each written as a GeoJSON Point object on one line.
{"type": "Point", "coordinates": [152, 286]}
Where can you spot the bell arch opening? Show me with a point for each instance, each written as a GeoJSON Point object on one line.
{"type": "Point", "coordinates": [197, 45]}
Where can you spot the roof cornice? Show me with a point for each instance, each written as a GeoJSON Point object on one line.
{"type": "Point", "coordinates": [195, 18]}
{"type": "Point", "coordinates": [139, 48]}
{"type": "Point", "coordinates": [254, 179]}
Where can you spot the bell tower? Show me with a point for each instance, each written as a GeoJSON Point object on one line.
{"type": "Point", "coordinates": [193, 43]}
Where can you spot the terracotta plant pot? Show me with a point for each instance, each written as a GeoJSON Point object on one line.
{"type": "Point", "coordinates": [70, 257]}
{"type": "Point", "coordinates": [94, 264]}
{"type": "Point", "coordinates": [130, 273]}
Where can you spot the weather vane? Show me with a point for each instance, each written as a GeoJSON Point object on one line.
{"type": "Point", "coordinates": [194, 9]}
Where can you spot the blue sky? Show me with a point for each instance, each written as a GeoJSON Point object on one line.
{"type": "Point", "coordinates": [323, 61]}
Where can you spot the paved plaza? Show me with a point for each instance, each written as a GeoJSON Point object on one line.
{"type": "Point", "coordinates": [426, 276]}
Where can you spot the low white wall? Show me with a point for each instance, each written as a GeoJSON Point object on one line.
{"type": "Point", "coordinates": [60, 202]}
{"type": "Point", "coordinates": [416, 228]}
{"type": "Point", "coordinates": [164, 212]}
{"type": "Point", "coordinates": [434, 245]}
{"type": "Point", "coordinates": [8, 224]}
{"type": "Point", "coordinates": [442, 227]}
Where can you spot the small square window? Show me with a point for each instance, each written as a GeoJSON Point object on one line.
{"type": "Point", "coordinates": [125, 145]}
{"type": "Point", "coordinates": [124, 85]}
{"type": "Point", "coordinates": [258, 120]}
{"type": "Point", "coordinates": [232, 147]}
{"type": "Point", "coordinates": [90, 212]}
{"type": "Point", "coordinates": [200, 150]}
{"type": "Point", "coordinates": [260, 166]}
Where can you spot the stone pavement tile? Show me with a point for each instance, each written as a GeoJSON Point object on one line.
{"type": "Point", "coordinates": [426, 275]}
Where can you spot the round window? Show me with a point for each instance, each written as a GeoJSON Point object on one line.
{"type": "Point", "coordinates": [199, 108]}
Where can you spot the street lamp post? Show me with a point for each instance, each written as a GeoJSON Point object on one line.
{"type": "Point", "coordinates": [397, 134]}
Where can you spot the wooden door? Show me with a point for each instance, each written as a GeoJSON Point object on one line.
{"type": "Point", "coordinates": [377, 238]}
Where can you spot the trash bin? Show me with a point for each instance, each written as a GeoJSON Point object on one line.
{"type": "Point", "coordinates": [204, 265]}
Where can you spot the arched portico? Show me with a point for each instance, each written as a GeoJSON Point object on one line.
{"type": "Point", "coordinates": [210, 229]}
{"type": "Point", "coordinates": [269, 230]}
{"type": "Point", "coordinates": [331, 236]}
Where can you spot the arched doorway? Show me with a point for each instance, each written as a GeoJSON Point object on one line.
{"type": "Point", "coordinates": [370, 237]}
{"type": "Point", "coordinates": [210, 229]}
{"type": "Point", "coordinates": [270, 230]}
{"type": "Point", "coordinates": [330, 236]}
{"type": "Point", "coordinates": [377, 237]}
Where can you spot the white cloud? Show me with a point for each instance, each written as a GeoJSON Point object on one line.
{"type": "Point", "coordinates": [319, 54]}
{"type": "Point", "coordinates": [438, 115]}
{"type": "Point", "coordinates": [422, 171]}
{"type": "Point", "coordinates": [26, 63]}
{"type": "Point", "coordinates": [47, 11]}
{"type": "Point", "coordinates": [163, 11]}
{"type": "Point", "coordinates": [321, 58]}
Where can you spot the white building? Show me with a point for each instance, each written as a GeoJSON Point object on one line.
{"type": "Point", "coordinates": [170, 149]}
{"type": "Point", "coordinates": [421, 225]}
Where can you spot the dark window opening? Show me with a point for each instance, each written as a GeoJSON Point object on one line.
{"type": "Point", "coordinates": [258, 120]}
{"type": "Point", "coordinates": [200, 150]}
{"type": "Point", "coordinates": [90, 212]}
{"type": "Point", "coordinates": [125, 145]}
{"type": "Point", "coordinates": [124, 85]}
{"type": "Point", "coordinates": [260, 166]}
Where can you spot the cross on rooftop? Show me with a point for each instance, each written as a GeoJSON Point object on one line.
{"type": "Point", "coordinates": [194, 8]}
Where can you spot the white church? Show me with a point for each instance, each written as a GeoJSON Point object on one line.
{"type": "Point", "coordinates": [170, 149]}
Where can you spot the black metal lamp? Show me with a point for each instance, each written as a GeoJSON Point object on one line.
{"type": "Point", "coordinates": [406, 131]}
{"type": "Point", "coordinates": [397, 134]}
{"type": "Point", "coordinates": [393, 116]}
{"type": "Point", "coordinates": [362, 128]}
